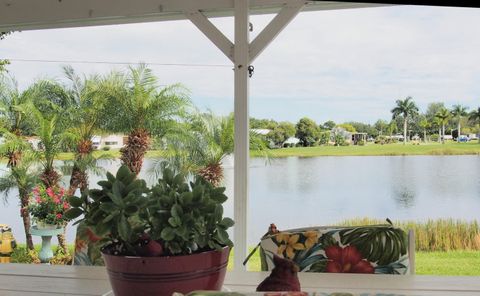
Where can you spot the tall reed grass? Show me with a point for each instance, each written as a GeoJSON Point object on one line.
{"type": "Point", "coordinates": [434, 235]}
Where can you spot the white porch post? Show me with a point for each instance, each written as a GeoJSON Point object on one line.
{"type": "Point", "coordinates": [243, 54]}
{"type": "Point", "coordinates": [241, 111]}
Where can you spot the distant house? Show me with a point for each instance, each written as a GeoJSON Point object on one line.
{"type": "Point", "coordinates": [260, 131]}
{"type": "Point", "coordinates": [35, 143]}
{"type": "Point", "coordinates": [110, 141]}
{"type": "Point", "coordinates": [291, 142]}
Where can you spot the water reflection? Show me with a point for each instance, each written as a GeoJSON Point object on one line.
{"type": "Point", "coordinates": [296, 192]}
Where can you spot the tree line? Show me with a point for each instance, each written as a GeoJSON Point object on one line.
{"type": "Point", "coordinates": [434, 123]}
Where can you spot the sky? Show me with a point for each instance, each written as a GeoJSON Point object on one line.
{"type": "Point", "coordinates": [343, 65]}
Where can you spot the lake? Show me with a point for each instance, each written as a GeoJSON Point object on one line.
{"type": "Point", "coordinates": [295, 191]}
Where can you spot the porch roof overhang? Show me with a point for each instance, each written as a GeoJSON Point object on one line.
{"type": "Point", "coordinates": [44, 14]}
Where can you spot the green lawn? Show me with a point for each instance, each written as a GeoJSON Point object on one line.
{"type": "Point", "coordinates": [450, 148]}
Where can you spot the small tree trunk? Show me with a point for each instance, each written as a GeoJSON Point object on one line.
{"type": "Point", "coordinates": [425, 136]}
{"type": "Point", "coordinates": [134, 151]}
{"type": "Point", "coordinates": [405, 131]}
{"type": "Point", "coordinates": [458, 130]}
{"type": "Point", "coordinates": [443, 133]}
{"type": "Point", "coordinates": [26, 218]}
{"type": "Point", "coordinates": [439, 134]}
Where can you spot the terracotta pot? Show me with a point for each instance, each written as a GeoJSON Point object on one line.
{"type": "Point", "coordinates": [161, 276]}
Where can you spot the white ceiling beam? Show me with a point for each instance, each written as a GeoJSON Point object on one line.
{"type": "Point", "coordinates": [212, 32]}
{"type": "Point", "coordinates": [276, 25]}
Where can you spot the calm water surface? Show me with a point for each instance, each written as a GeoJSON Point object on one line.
{"type": "Point", "coordinates": [295, 191]}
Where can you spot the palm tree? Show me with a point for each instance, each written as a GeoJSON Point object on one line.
{"type": "Point", "coordinates": [53, 138]}
{"type": "Point", "coordinates": [205, 142]}
{"type": "Point", "coordinates": [86, 120]}
{"type": "Point", "coordinates": [458, 112]}
{"type": "Point", "coordinates": [407, 109]}
{"type": "Point", "coordinates": [13, 123]}
{"type": "Point", "coordinates": [424, 124]}
{"type": "Point", "coordinates": [443, 115]}
{"type": "Point", "coordinates": [201, 149]}
{"type": "Point", "coordinates": [142, 110]}
{"type": "Point", "coordinates": [22, 177]}
{"type": "Point", "coordinates": [474, 116]}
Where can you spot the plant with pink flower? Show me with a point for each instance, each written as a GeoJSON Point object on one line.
{"type": "Point", "coordinates": [48, 205]}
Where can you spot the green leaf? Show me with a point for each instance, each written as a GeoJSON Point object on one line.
{"type": "Point", "coordinates": [75, 201]}
{"type": "Point", "coordinates": [167, 234]}
{"type": "Point", "coordinates": [108, 207]}
{"type": "Point", "coordinates": [174, 221]}
{"type": "Point", "coordinates": [222, 234]}
{"type": "Point", "coordinates": [124, 228]}
{"type": "Point", "coordinates": [176, 211]}
{"type": "Point", "coordinates": [110, 177]}
{"type": "Point", "coordinates": [117, 193]}
{"type": "Point", "coordinates": [131, 209]}
{"type": "Point", "coordinates": [123, 173]}
{"type": "Point", "coordinates": [110, 217]}
{"type": "Point", "coordinates": [227, 222]}
{"type": "Point", "coordinates": [73, 213]}
{"type": "Point", "coordinates": [105, 184]}
{"type": "Point", "coordinates": [218, 213]}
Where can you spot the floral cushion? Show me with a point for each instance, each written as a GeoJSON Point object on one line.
{"type": "Point", "coordinates": [379, 249]}
{"type": "Point", "coordinates": [87, 251]}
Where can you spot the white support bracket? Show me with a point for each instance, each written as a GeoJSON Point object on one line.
{"type": "Point", "coordinates": [241, 52]}
{"type": "Point", "coordinates": [271, 31]}
{"type": "Point", "coordinates": [212, 32]}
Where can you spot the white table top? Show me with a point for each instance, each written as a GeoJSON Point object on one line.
{"type": "Point", "coordinates": [24, 279]}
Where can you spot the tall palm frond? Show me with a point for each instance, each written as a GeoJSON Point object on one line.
{"type": "Point", "coordinates": [407, 109]}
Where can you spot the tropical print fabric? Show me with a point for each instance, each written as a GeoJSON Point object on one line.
{"type": "Point", "coordinates": [381, 249]}
{"type": "Point", "coordinates": [87, 251]}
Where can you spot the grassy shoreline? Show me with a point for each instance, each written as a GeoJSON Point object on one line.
{"type": "Point", "coordinates": [368, 150]}
{"type": "Point", "coordinates": [379, 150]}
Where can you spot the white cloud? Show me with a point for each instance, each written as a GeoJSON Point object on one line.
{"type": "Point", "coordinates": [340, 65]}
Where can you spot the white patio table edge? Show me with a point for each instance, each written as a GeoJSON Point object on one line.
{"type": "Point", "coordinates": [25, 279]}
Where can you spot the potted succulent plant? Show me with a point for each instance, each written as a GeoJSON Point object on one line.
{"type": "Point", "coordinates": [169, 238]}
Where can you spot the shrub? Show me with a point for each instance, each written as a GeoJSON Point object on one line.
{"type": "Point", "coordinates": [23, 255]}
{"type": "Point", "coordinates": [361, 143]}
{"type": "Point", "coordinates": [324, 138]}
{"type": "Point", "coordinates": [106, 148]}
{"type": "Point", "coordinates": [434, 137]}
{"type": "Point", "coordinates": [339, 140]}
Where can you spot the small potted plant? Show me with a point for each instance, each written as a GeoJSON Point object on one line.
{"type": "Point", "coordinates": [48, 206]}
{"type": "Point", "coordinates": [156, 241]}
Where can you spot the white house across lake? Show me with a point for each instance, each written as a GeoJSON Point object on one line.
{"type": "Point", "coordinates": [115, 141]}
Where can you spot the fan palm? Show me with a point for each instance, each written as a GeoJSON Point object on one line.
{"type": "Point", "coordinates": [458, 112]}
{"type": "Point", "coordinates": [141, 109]}
{"type": "Point", "coordinates": [443, 115]}
{"type": "Point", "coordinates": [407, 109]}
